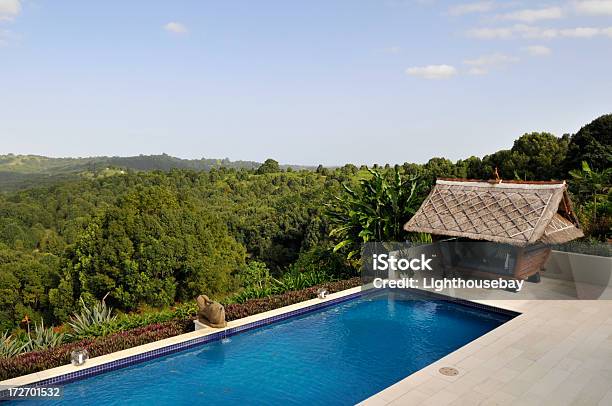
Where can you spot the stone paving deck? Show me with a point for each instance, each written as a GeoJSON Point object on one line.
{"type": "Point", "coordinates": [557, 352]}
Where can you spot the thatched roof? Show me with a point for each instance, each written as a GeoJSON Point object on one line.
{"type": "Point", "coordinates": [512, 212]}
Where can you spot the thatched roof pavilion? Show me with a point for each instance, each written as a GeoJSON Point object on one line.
{"type": "Point", "coordinates": [512, 212]}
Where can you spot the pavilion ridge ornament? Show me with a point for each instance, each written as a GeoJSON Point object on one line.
{"type": "Point", "coordinates": [210, 312]}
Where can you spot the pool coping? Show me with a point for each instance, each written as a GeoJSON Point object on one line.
{"type": "Point", "coordinates": [121, 359]}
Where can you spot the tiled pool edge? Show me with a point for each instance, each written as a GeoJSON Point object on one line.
{"type": "Point", "coordinates": [469, 303]}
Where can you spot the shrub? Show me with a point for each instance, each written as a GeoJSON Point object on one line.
{"type": "Point", "coordinates": [236, 311]}
{"type": "Point", "coordinates": [251, 292]}
{"type": "Point", "coordinates": [318, 258]}
{"type": "Point", "coordinates": [255, 273]}
{"type": "Point", "coordinates": [301, 280]}
{"type": "Point", "coordinates": [139, 336]}
{"type": "Point", "coordinates": [261, 285]}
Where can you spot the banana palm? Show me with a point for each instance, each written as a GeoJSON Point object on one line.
{"type": "Point", "coordinates": [594, 192]}
{"type": "Point", "coordinates": [376, 211]}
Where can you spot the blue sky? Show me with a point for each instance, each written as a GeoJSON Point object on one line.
{"type": "Point", "coordinates": [306, 82]}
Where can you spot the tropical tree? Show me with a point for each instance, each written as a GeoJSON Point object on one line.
{"type": "Point", "coordinates": [269, 166]}
{"type": "Point", "coordinates": [375, 211]}
{"type": "Point", "coordinates": [594, 192]}
{"type": "Point", "coordinates": [154, 248]}
{"type": "Point", "coordinates": [537, 156]}
{"type": "Point", "coordinates": [593, 144]}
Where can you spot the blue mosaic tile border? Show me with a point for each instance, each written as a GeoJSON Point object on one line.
{"type": "Point", "coordinates": [160, 352]}
{"type": "Point", "coordinates": [424, 294]}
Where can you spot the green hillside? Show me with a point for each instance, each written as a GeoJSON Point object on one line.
{"type": "Point", "coordinates": [23, 171]}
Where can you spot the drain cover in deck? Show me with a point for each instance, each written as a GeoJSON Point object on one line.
{"type": "Point", "coordinates": [448, 371]}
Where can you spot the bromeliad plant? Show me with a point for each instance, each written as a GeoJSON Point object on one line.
{"type": "Point", "coordinates": [10, 346]}
{"type": "Point", "coordinates": [42, 338]}
{"type": "Point", "coordinates": [376, 211]}
{"type": "Point", "coordinates": [90, 318]}
{"type": "Point", "coordinates": [39, 339]}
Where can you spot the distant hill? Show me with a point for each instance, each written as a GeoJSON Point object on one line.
{"type": "Point", "coordinates": [21, 171]}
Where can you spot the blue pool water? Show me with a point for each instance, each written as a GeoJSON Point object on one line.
{"type": "Point", "coordinates": [339, 355]}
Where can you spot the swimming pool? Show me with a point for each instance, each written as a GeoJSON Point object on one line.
{"type": "Point", "coordinates": [338, 355]}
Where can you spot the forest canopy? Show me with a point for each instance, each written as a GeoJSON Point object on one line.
{"type": "Point", "coordinates": [151, 234]}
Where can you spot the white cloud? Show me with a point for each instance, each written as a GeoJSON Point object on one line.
{"type": "Point", "coordinates": [7, 37]}
{"type": "Point", "coordinates": [407, 3]}
{"type": "Point", "coordinates": [607, 31]}
{"type": "Point", "coordinates": [4, 35]}
{"type": "Point", "coordinates": [432, 71]}
{"type": "Point", "coordinates": [393, 49]}
{"type": "Point", "coordinates": [491, 33]}
{"type": "Point", "coordinates": [470, 8]}
{"type": "Point", "coordinates": [9, 9]}
{"type": "Point", "coordinates": [478, 71]}
{"type": "Point", "coordinates": [483, 64]}
{"type": "Point", "coordinates": [594, 7]}
{"type": "Point", "coordinates": [580, 32]}
{"type": "Point", "coordinates": [533, 15]}
{"type": "Point", "coordinates": [175, 28]}
{"type": "Point", "coordinates": [527, 31]}
{"type": "Point", "coordinates": [533, 32]}
{"type": "Point", "coordinates": [538, 50]}
{"type": "Point", "coordinates": [492, 60]}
